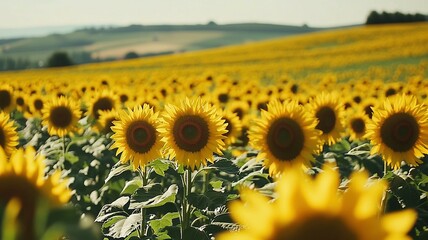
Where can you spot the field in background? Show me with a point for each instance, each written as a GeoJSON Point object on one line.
{"type": "Point", "coordinates": [116, 42]}
{"type": "Point", "coordinates": [389, 53]}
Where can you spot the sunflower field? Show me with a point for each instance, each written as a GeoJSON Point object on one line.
{"type": "Point", "coordinates": [317, 136]}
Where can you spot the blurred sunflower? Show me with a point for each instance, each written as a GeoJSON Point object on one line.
{"type": "Point", "coordinates": [22, 178]}
{"type": "Point", "coordinates": [192, 132]}
{"type": "Point", "coordinates": [135, 136]}
{"type": "Point", "coordinates": [329, 112]}
{"type": "Point", "coordinates": [285, 136]}
{"type": "Point", "coordinates": [6, 98]}
{"type": "Point", "coordinates": [105, 121]}
{"type": "Point", "coordinates": [356, 124]}
{"type": "Point", "coordinates": [399, 131]}
{"type": "Point", "coordinates": [307, 208]}
{"type": "Point", "coordinates": [8, 136]}
{"type": "Point", "coordinates": [20, 101]}
{"type": "Point", "coordinates": [36, 103]}
{"type": "Point", "coordinates": [61, 116]}
{"type": "Point", "coordinates": [103, 101]}
{"type": "Point", "coordinates": [234, 127]}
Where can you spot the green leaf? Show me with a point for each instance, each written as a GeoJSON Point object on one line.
{"type": "Point", "coordinates": [159, 166]}
{"type": "Point", "coordinates": [131, 223]}
{"type": "Point", "coordinates": [118, 170]}
{"type": "Point", "coordinates": [199, 201]}
{"type": "Point", "coordinates": [69, 156]}
{"type": "Point", "coordinates": [194, 233]}
{"type": "Point", "coordinates": [112, 220]}
{"type": "Point", "coordinates": [122, 226]}
{"type": "Point", "coordinates": [160, 200]}
{"type": "Point", "coordinates": [217, 185]}
{"type": "Point", "coordinates": [132, 186]}
{"type": "Point", "coordinates": [166, 221]}
{"type": "Point", "coordinates": [249, 177]}
{"type": "Point", "coordinates": [114, 208]}
{"type": "Point", "coordinates": [405, 192]}
{"type": "Point", "coordinates": [225, 165]}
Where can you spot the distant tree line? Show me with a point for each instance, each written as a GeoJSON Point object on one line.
{"type": "Point", "coordinates": [397, 17]}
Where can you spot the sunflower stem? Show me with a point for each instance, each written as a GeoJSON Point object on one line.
{"type": "Point", "coordinates": [185, 208]}
{"type": "Point", "coordinates": [384, 197]}
{"type": "Point", "coordinates": [64, 151]}
{"type": "Point", "coordinates": [144, 176]}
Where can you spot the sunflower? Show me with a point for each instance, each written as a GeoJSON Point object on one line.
{"type": "Point", "coordinates": [36, 103]}
{"type": "Point", "coordinates": [105, 121]}
{"type": "Point", "coordinates": [307, 208]}
{"type": "Point", "coordinates": [399, 131]}
{"type": "Point", "coordinates": [356, 124]}
{"type": "Point", "coordinates": [6, 98]}
{"type": "Point", "coordinates": [8, 136]}
{"type": "Point", "coordinates": [329, 113]}
{"type": "Point", "coordinates": [192, 132]}
{"type": "Point", "coordinates": [61, 116]}
{"type": "Point", "coordinates": [285, 135]}
{"type": "Point", "coordinates": [20, 101]}
{"type": "Point", "coordinates": [103, 101]}
{"type": "Point", "coordinates": [22, 178]}
{"type": "Point", "coordinates": [234, 127]}
{"type": "Point", "coordinates": [135, 136]}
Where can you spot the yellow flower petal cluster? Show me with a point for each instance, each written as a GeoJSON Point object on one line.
{"type": "Point", "coordinates": [307, 208]}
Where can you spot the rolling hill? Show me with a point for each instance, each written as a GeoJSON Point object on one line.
{"type": "Point", "coordinates": [115, 42]}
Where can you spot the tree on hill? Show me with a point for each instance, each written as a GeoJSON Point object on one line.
{"type": "Point", "coordinates": [131, 55]}
{"type": "Point", "coordinates": [59, 59]}
{"type": "Point", "coordinates": [397, 17]}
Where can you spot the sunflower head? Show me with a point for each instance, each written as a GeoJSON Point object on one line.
{"type": "Point", "coordinates": [6, 98]}
{"type": "Point", "coordinates": [285, 135]}
{"type": "Point", "coordinates": [234, 127]}
{"type": "Point", "coordinates": [8, 136]}
{"type": "Point", "coordinates": [329, 113]}
{"type": "Point", "coordinates": [105, 121]}
{"type": "Point", "coordinates": [356, 123]}
{"type": "Point", "coordinates": [135, 136]}
{"type": "Point", "coordinates": [103, 101]}
{"type": "Point", "coordinates": [22, 178]}
{"type": "Point", "coordinates": [308, 208]}
{"type": "Point", "coordinates": [399, 131]}
{"type": "Point", "coordinates": [61, 116]}
{"type": "Point", "coordinates": [192, 132]}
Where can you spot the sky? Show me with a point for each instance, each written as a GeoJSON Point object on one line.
{"type": "Point", "coordinates": [316, 13]}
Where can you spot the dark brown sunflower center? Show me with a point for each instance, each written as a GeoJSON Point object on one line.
{"type": "Point", "coordinates": [317, 227]}
{"type": "Point", "coordinates": [61, 117]}
{"type": "Point", "coordinates": [191, 133]}
{"type": "Point", "coordinates": [358, 125]}
{"type": "Point", "coordinates": [20, 101]}
{"type": "Point", "coordinates": [123, 98]}
{"type": "Point", "coordinates": [12, 186]}
{"type": "Point", "coordinates": [369, 111]}
{"type": "Point", "coordinates": [140, 136]}
{"type": "Point", "coordinates": [294, 88]}
{"type": "Point", "coordinates": [400, 132]}
{"type": "Point", "coordinates": [390, 92]}
{"type": "Point", "coordinates": [239, 112]}
{"type": "Point", "coordinates": [2, 138]}
{"type": "Point", "coordinates": [5, 99]}
{"type": "Point", "coordinates": [285, 139]}
{"type": "Point", "coordinates": [326, 118]}
{"type": "Point", "coordinates": [104, 104]}
{"type": "Point", "coordinates": [108, 124]}
{"type": "Point", "coordinates": [223, 97]}
{"type": "Point", "coordinates": [38, 104]}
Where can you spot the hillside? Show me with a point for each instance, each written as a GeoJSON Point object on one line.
{"type": "Point", "coordinates": [115, 42]}
{"type": "Point", "coordinates": [366, 52]}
